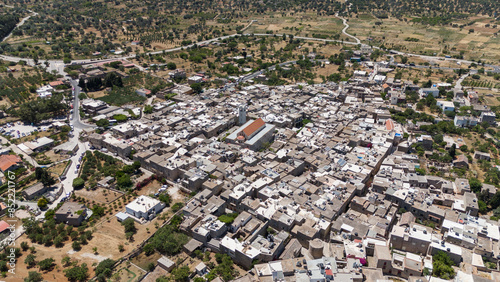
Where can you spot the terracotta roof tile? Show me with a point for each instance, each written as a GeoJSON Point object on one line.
{"type": "Point", "coordinates": [6, 161]}
{"type": "Point", "coordinates": [3, 226]}
{"type": "Point", "coordinates": [55, 83]}
{"type": "Point", "coordinates": [254, 126]}
{"type": "Point", "coordinates": [389, 124]}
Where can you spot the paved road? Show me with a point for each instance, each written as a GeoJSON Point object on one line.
{"type": "Point", "coordinates": [67, 183]}
{"type": "Point", "coordinates": [20, 23]}
{"type": "Point", "coordinates": [458, 84]}
{"type": "Point", "coordinates": [18, 151]}
{"type": "Point", "coordinates": [76, 122]}
{"type": "Point", "coordinates": [58, 65]}
{"type": "Point", "coordinates": [344, 31]}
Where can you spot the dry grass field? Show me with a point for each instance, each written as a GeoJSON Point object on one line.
{"type": "Point", "coordinates": [481, 44]}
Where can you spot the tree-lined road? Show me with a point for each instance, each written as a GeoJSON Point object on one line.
{"type": "Point", "coordinates": [58, 65]}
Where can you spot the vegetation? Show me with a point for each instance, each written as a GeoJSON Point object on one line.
{"type": "Point", "coordinates": [104, 269]}
{"type": "Point", "coordinates": [122, 96]}
{"type": "Point", "coordinates": [224, 269]}
{"type": "Point", "coordinates": [77, 273]}
{"type": "Point", "coordinates": [99, 165]}
{"type": "Point", "coordinates": [44, 176]}
{"type": "Point", "coordinates": [41, 109]}
{"type": "Point", "coordinates": [42, 203]}
{"type": "Point", "coordinates": [129, 226]}
{"type": "Point", "coordinates": [78, 183]}
{"type": "Point", "coordinates": [168, 240]}
{"type": "Point", "coordinates": [34, 276]}
{"type": "Point", "coordinates": [181, 273]}
{"type": "Point", "coordinates": [7, 23]}
{"type": "Point", "coordinates": [49, 233]}
{"type": "Point", "coordinates": [228, 218]}
{"type": "Point", "coordinates": [46, 264]}
{"type": "Point", "coordinates": [177, 206]}
{"type": "Point", "coordinates": [442, 266]}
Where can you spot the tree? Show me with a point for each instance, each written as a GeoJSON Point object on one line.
{"type": "Point", "coordinates": [73, 235]}
{"type": "Point", "coordinates": [149, 249]}
{"type": "Point", "coordinates": [165, 198]}
{"type": "Point", "coordinates": [136, 165]}
{"type": "Point", "coordinates": [78, 183]}
{"type": "Point", "coordinates": [104, 269]}
{"type": "Point", "coordinates": [129, 225]}
{"type": "Point", "coordinates": [66, 261]}
{"type": "Point", "coordinates": [121, 249]}
{"type": "Point", "coordinates": [30, 260]}
{"type": "Point", "coordinates": [171, 66]}
{"type": "Point", "coordinates": [102, 123]}
{"type": "Point", "coordinates": [181, 273]}
{"type": "Point", "coordinates": [177, 206]}
{"type": "Point", "coordinates": [112, 79]}
{"type": "Point", "coordinates": [49, 214]}
{"type": "Point", "coordinates": [58, 241]}
{"type": "Point", "coordinates": [44, 176]}
{"type": "Point", "coordinates": [475, 185]}
{"type": "Point", "coordinates": [98, 211]}
{"type": "Point", "coordinates": [128, 169]}
{"type": "Point", "coordinates": [76, 246]}
{"type": "Point", "coordinates": [228, 218]}
{"type": "Point", "coordinates": [453, 151]}
{"type": "Point", "coordinates": [124, 181]}
{"type": "Point", "coordinates": [34, 276]}
{"type": "Point", "coordinates": [442, 266]}
{"type": "Point", "coordinates": [148, 109]}
{"type": "Point", "coordinates": [24, 246]}
{"type": "Point", "coordinates": [438, 138]}
{"type": "Point", "coordinates": [197, 87]}
{"type": "Point", "coordinates": [42, 203]}
{"type": "Point", "coordinates": [82, 96]}
{"type": "Point", "coordinates": [46, 264]}
{"type": "Point", "coordinates": [120, 118]}
{"type": "Point", "coordinates": [225, 268]}
{"type": "Point", "coordinates": [77, 273]}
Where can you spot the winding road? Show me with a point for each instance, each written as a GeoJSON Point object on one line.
{"type": "Point", "coordinates": [58, 65]}
{"type": "Point", "coordinates": [20, 23]}
{"type": "Point", "coordinates": [346, 26]}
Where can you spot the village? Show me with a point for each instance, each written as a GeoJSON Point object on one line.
{"type": "Point", "coordinates": [359, 180]}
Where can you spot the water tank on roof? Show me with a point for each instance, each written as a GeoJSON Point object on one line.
{"type": "Point", "coordinates": [316, 248]}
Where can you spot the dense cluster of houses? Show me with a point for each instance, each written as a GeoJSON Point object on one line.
{"type": "Point", "coordinates": [319, 176]}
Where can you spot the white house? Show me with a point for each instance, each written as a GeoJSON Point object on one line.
{"type": "Point", "coordinates": [446, 106]}
{"type": "Point", "coordinates": [144, 207]}
{"type": "Point", "coordinates": [465, 121]}
{"type": "Point", "coordinates": [379, 78]}
{"type": "Point", "coordinates": [426, 91]}
{"type": "Point", "coordinates": [45, 91]}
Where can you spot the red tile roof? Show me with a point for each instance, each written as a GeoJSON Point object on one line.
{"type": "Point", "coordinates": [3, 226]}
{"type": "Point", "coordinates": [254, 126]}
{"type": "Point", "coordinates": [7, 161]}
{"type": "Point", "coordinates": [389, 124]}
{"type": "Point", "coordinates": [55, 83]}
